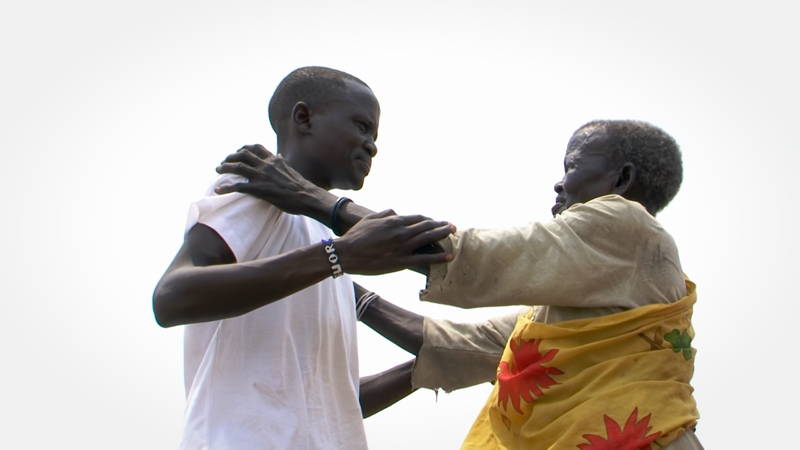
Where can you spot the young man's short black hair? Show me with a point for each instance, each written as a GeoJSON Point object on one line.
{"type": "Point", "coordinates": [313, 85]}
{"type": "Point", "coordinates": [654, 153]}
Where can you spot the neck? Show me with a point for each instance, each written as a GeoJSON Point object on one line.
{"type": "Point", "coordinates": [298, 161]}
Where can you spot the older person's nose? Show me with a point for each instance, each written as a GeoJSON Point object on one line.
{"type": "Point", "coordinates": [559, 187]}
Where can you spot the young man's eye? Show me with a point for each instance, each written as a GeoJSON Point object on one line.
{"type": "Point", "coordinates": [362, 126]}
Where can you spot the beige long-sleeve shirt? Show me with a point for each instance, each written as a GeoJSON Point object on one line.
{"type": "Point", "coordinates": [605, 256]}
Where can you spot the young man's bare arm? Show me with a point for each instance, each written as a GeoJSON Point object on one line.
{"type": "Point", "coordinates": [203, 283]}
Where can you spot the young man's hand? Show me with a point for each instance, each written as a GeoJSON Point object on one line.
{"type": "Point", "coordinates": [384, 242]}
{"type": "Point", "coordinates": [271, 179]}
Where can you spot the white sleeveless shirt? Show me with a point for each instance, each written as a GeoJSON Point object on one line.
{"type": "Point", "coordinates": [284, 376]}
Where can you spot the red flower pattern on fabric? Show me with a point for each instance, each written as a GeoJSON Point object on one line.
{"type": "Point", "coordinates": [632, 437]}
{"type": "Point", "coordinates": [525, 375]}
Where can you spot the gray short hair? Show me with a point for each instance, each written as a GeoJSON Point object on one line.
{"type": "Point", "coordinates": [654, 153]}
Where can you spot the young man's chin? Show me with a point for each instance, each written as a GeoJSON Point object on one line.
{"type": "Point", "coordinates": [350, 185]}
{"type": "Point", "coordinates": [357, 182]}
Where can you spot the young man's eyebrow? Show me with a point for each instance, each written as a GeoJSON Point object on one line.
{"type": "Point", "coordinates": [366, 121]}
{"type": "Point", "coordinates": [369, 123]}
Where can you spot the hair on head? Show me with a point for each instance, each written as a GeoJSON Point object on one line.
{"type": "Point", "coordinates": [313, 85]}
{"type": "Point", "coordinates": [654, 153]}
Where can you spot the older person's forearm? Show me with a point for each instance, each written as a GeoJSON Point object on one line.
{"type": "Point", "coordinates": [457, 355]}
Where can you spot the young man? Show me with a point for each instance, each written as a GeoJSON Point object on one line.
{"type": "Point", "coordinates": [606, 360]}
{"type": "Point", "coordinates": [270, 340]}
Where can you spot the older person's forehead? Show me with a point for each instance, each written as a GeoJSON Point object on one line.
{"type": "Point", "coordinates": [586, 136]}
{"type": "Point", "coordinates": [593, 151]}
{"type": "Point", "coordinates": [589, 144]}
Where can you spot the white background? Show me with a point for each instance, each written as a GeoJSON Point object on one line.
{"type": "Point", "coordinates": [114, 115]}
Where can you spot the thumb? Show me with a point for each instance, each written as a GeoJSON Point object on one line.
{"type": "Point", "coordinates": [244, 188]}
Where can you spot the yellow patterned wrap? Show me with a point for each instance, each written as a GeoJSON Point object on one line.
{"type": "Point", "coordinates": [617, 382]}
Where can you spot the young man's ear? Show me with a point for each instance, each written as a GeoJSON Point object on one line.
{"type": "Point", "coordinates": [301, 117]}
{"type": "Point", "coordinates": [625, 179]}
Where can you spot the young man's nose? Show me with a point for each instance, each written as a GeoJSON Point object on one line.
{"type": "Point", "coordinates": [372, 149]}
{"type": "Point", "coordinates": [559, 187]}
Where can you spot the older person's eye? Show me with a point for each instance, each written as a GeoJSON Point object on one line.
{"type": "Point", "coordinates": [362, 126]}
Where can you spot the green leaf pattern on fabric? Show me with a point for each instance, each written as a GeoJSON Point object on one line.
{"type": "Point", "coordinates": [681, 342]}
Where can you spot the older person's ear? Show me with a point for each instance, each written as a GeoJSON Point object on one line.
{"type": "Point", "coordinates": [625, 179]}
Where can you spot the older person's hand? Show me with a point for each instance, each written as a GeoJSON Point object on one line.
{"type": "Point", "coordinates": [270, 178]}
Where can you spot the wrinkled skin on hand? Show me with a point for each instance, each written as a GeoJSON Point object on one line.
{"type": "Point", "coordinates": [271, 178]}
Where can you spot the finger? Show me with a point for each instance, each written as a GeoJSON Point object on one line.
{"type": "Point", "coordinates": [411, 219]}
{"type": "Point", "coordinates": [228, 188]}
{"type": "Point", "coordinates": [258, 150]}
{"type": "Point", "coordinates": [243, 157]}
{"type": "Point", "coordinates": [429, 249]}
{"type": "Point", "coordinates": [381, 214]}
{"type": "Point", "coordinates": [427, 260]}
{"type": "Point", "coordinates": [429, 237]}
{"type": "Point", "coordinates": [238, 169]}
{"type": "Point", "coordinates": [425, 225]}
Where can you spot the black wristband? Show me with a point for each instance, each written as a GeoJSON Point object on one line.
{"type": "Point", "coordinates": [335, 215]}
